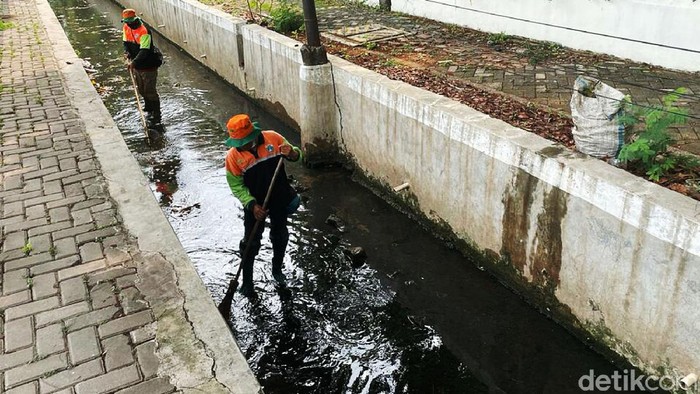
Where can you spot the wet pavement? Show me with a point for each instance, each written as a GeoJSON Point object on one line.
{"type": "Point", "coordinates": [417, 317]}
{"type": "Point", "coordinates": [507, 69]}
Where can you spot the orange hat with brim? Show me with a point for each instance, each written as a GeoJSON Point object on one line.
{"type": "Point", "coordinates": [241, 130]}
{"type": "Point", "coordinates": [128, 15]}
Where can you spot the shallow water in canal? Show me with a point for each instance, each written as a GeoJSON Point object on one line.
{"type": "Point", "coordinates": [418, 317]}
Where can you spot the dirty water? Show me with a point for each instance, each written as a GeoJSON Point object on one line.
{"type": "Point", "coordinates": [417, 317]}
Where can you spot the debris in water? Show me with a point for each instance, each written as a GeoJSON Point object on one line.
{"type": "Point", "coordinates": [336, 222]}
{"type": "Point", "coordinates": [357, 255]}
{"type": "Point", "coordinates": [185, 210]}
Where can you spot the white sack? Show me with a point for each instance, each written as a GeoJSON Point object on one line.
{"type": "Point", "coordinates": [596, 130]}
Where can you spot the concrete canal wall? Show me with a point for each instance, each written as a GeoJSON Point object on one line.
{"type": "Point", "coordinates": [612, 253]}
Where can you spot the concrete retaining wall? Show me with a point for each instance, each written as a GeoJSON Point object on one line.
{"type": "Point", "coordinates": [620, 254]}
{"type": "Point", "coordinates": [660, 32]}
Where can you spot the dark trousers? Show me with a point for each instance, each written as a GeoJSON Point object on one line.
{"type": "Point", "coordinates": [146, 85]}
{"type": "Point", "coordinates": [279, 236]}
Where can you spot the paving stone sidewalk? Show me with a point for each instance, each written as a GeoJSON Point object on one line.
{"type": "Point", "coordinates": [548, 83]}
{"type": "Point", "coordinates": [73, 320]}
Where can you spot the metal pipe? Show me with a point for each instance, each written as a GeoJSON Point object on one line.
{"type": "Point", "coordinates": [313, 38]}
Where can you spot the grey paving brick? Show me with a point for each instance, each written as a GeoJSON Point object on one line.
{"type": "Point", "coordinates": [49, 228]}
{"type": "Point", "coordinates": [117, 352]}
{"type": "Point", "coordinates": [73, 290]}
{"type": "Point", "coordinates": [52, 187]}
{"type": "Point", "coordinates": [83, 345]}
{"type": "Point", "coordinates": [73, 231]}
{"type": "Point", "coordinates": [81, 217]}
{"type": "Point", "coordinates": [103, 295]}
{"type": "Point", "coordinates": [124, 324]}
{"type": "Point", "coordinates": [68, 164]}
{"type": "Point", "coordinates": [65, 247]}
{"type": "Point", "coordinates": [62, 313]}
{"type": "Point", "coordinates": [14, 281]}
{"type": "Point", "coordinates": [13, 196]}
{"type": "Point", "coordinates": [31, 308]}
{"type": "Point", "coordinates": [19, 334]}
{"type": "Point", "coordinates": [131, 300]}
{"type": "Point", "coordinates": [50, 340]}
{"type": "Point", "coordinates": [96, 235]}
{"type": "Point", "coordinates": [41, 173]}
{"type": "Point", "coordinates": [107, 205]}
{"type": "Point", "coordinates": [66, 202]}
{"type": "Point", "coordinates": [72, 376]}
{"type": "Point", "coordinates": [36, 369]}
{"type": "Point", "coordinates": [143, 334]}
{"type": "Point", "coordinates": [81, 269]}
{"type": "Point", "coordinates": [74, 191]}
{"type": "Point", "coordinates": [32, 185]}
{"type": "Point", "coordinates": [110, 381]}
{"type": "Point", "coordinates": [34, 212]}
{"type": "Point", "coordinates": [12, 209]}
{"type": "Point", "coordinates": [44, 285]}
{"type": "Point", "coordinates": [43, 199]}
{"type": "Point", "coordinates": [12, 183]}
{"type": "Point", "coordinates": [25, 225]}
{"type": "Point", "coordinates": [55, 265]}
{"type": "Point", "coordinates": [11, 360]}
{"type": "Point", "coordinates": [93, 318]}
{"type": "Point", "coordinates": [14, 299]}
{"type": "Point", "coordinates": [80, 177]}
{"type": "Point", "coordinates": [108, 274]}
{"type": "Point", "coordinates": [40, 243]}
{"type": "Point", "coordinates": [91, 251]}
{"type": "Point", "coordinates": [59, 175]}
{"type": "Point", "coordinates": [89, 203]}
{"type": "Point", "coordinates": [29, 261]}
{"type": "Point", "coordinates": [147, 359]}
{"type": "Point", "coordinates": [29, 388]}
{"type": "Point", "coordinates": [14, 240]}
{"type": "Point", "coordinates": [48, 162]}
{"type": "Point", "coordinates": [127, 281]}
{"type": "Point", "coordinates": [60, 214]}
{"type": "Point", "coordinates": [9, 220]}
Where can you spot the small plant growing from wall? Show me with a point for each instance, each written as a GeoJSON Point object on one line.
{"type": "Point", "coordinates": [648, 149]}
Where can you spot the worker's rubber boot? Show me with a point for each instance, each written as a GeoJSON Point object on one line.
{"type": "Point", "coordinates": [153, 112]}
{"type": "Point", "coordinates": [247, 288]}
{"type": "Point", "coordinates": [277, 271]}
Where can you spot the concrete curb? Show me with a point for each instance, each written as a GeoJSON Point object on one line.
{"type": "Point", "coordinates": [195, 346]}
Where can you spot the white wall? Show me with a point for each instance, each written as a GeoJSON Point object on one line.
{"type": "Point", "coordinates": [644, 28]}
{"type": "Point", "coordinates": [622, 253]}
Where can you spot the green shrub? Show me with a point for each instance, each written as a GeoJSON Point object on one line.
{"type": "Point", "coordinates": [650, 137]}
{"type": "Point", "coordinates": [498, 38]}
{"type": "Point", "coordinates": [286, 18]}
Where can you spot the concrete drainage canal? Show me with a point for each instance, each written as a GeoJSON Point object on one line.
{"type": "Point", "coordinates": [415, 317]}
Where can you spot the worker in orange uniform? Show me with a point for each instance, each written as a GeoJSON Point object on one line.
{"type": "Point", "coordinates": [250, 166]}
{"type": "Point", "coordinates": [144, 59]}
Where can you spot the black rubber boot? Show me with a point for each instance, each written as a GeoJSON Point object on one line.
{"type": "Point", "coordinates": [247, 288]}
{"type": "Point", "coordinates": [277, 271]}
{"type": "Point", "coordinates": [152, 109]}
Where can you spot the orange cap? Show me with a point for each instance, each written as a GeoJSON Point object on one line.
{"type": "Point", "coordinates": [241, 130]}
{"type": "Point", "coordinates": [128, 15]}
